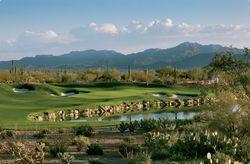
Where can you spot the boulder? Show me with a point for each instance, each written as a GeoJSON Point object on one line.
{"type": "Point", "coordinates": [172, 104]}
{"type": "Point", "coordinates": [190, 102]}
{"type": "Point", "coordinates": [52, 117]}
{"type": "Point", "coordinates": [61, 114]}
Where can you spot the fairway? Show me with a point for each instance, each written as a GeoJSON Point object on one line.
{"type": "Point", "coordinates": [15, 107]}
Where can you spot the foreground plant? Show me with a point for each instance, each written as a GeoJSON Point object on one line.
{"type": "Point", "coordinates": [22, 154]}
{"type": "Point", "coordinates": [81, 142]}
{"type": "Point", "coordinates": [86, 131]}
{"type": "Point", "coordinates": [94, 149]}
{"type": "Point", "coordinates": [65, 158]}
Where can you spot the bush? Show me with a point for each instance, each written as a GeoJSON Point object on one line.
{"type": "Point", "coordinates": [127, 149]}
{"type": "Point", "coordinates": [148, 125]}
{"type": "Point", "coordinates": [7, 134]}
{"type": "Point", "coordinates": [87, 131]}
{"type": "Point", "coordinates": [122, 127]}
{"type": "Point", "coordinates": [198, 145]}
{"type": "Point", "coordinates": [143, 158]}
{"type": "Point", "coordinates": [220, 158]}
{"type": "Point", "coordinates": [65, 158]}
{"type": "Point", "coordinates": [157, 144]}
{"type": "Point", "coordinates": [81, 142]}
{"type": "Point", "coordinates": [42, 134]}
{"type": "Point", "coordinates": [131, 127]}
{"type": "Point", "coordinates": [159, 154]}
{"type": "Point", "coordinates": [60, 145]}
{"type": "Point", "coordinates": [56, 149]}
{"type": "Point", "coordinates": [94, 149]}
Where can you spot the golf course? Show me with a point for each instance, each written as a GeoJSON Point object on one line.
{"type": "Point", "coordinates": [17, 104]}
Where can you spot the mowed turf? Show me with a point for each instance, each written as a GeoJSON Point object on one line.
{"type": "Point", "coordinates": [15, 107]}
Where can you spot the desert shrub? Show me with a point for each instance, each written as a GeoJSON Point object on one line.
{"type": "Point", "coordinates": [55, 149]}
{"type": "Point", "coordinates": [198, 145]}
{"type": "Point", "coordinates": [131, 127]}
{"type": "Point", "coordinates": [65, 158]}
{"type": "Point", "coordinates": [154, 125]}
{"type": "Point", "coordinates": [220, 158]}
{"type": "Point", "coordinates": [23, 153]}
{"type": "Point", "coordinates": [157, 144]}
{"type": "Point", "coordinates": [142, 158]}
{"type": "Point", "coordinates": [86, 131]}
{"type": "Point", "coordinates": [122, 127]}
{"type": "Point", "coordinates": [81, 142]}
{"type": "Point", "coordinates": [159, 154]}
{"type": "Point", "coordinates": [7, 134]}
{"type": "Point", "coordinates": [41, 134]}
{"type": "Point", "coordinates": [94, 149]}
{"type": "Point", "coordinates": [126, 149]}
{"type": "Point", "coordinates": [58, 145]}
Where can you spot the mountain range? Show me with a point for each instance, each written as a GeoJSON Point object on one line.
{"type": "Point", "coordinates": [184, 56]}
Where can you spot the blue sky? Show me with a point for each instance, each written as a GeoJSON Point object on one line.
{"type": "Point", "coordinates": [32, 27]}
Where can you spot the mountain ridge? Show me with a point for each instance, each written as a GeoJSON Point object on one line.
{"type": "Point", "coordinates": [185, 56]}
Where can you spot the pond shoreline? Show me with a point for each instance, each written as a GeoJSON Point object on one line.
{"type": "Point", "coordinates": [125, 109]}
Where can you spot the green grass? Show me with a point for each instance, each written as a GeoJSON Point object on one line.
{"type": "Point", "coordinates": [15, 107]}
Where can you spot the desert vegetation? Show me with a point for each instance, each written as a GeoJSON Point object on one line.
{"type": "Point", "coordinates": [218, 133]}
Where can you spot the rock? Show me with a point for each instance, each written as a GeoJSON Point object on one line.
{"type": "Point", "coordinates": [172, 103]}
{"type": "Point", "coordinates": [71, 115]}
{"type": "Point", "coordinates": [39, 118]}
{"type": "Point", "coordinates": [180, 103]}
{"type": "Point", "coordinates": [61, 115]}
{"type": "Point", "coordinates": [52, 117]}
{"type": "Point", "coordinates": [190, 102]}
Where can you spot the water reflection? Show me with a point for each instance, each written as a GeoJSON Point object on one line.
{"type": "Point", "coordinates": [138, 117]}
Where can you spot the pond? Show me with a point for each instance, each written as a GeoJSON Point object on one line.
{"type": "Point", "coordinates": [143, 116]}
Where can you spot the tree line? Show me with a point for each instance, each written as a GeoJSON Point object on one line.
{"type": "Point", "coordinates": [223, 64]}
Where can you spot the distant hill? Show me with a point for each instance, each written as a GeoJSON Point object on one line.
{"type": "Point", "coordinates": [185, 56]}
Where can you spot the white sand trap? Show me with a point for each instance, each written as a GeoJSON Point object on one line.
{"type": "Point", "coordinates": [174, 96]}
{"type": "Point", "coordinates": [68, 94]}
{"type": "Point", "coordinates": [159, 95]}
{"type": "Point", "coordinates": [20, 90]}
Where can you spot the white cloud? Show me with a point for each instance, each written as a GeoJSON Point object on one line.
{"type": "Point", "coordinates": [49, 36]}
{"type": "Point", "coordinates": [153, 23]}
{"type": "Point", "coordinates": [33, 43]}
{"type": "Point", "coordinates": [168, 22]}
{"type": "Point", "coordinates": [104, 28]}
{"type": "Point", "coordinates": [131, 37]}
{"type": "Point", "coordinates": [135, 25]}
{"type": "Point", "coordinates": [124, 29]}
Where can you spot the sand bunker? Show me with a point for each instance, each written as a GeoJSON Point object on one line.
{"type": "Point", "coordinates": [160, 95]}
{"type": "Point", "coordinates": [69, 93]}
{"type": "Point", "coordinates": [16, 90]}
{"type": "Point", "coordinates": [174, 96]}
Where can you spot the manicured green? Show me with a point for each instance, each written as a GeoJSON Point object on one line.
{"type": "Point", "coordinates": [15, 107]}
